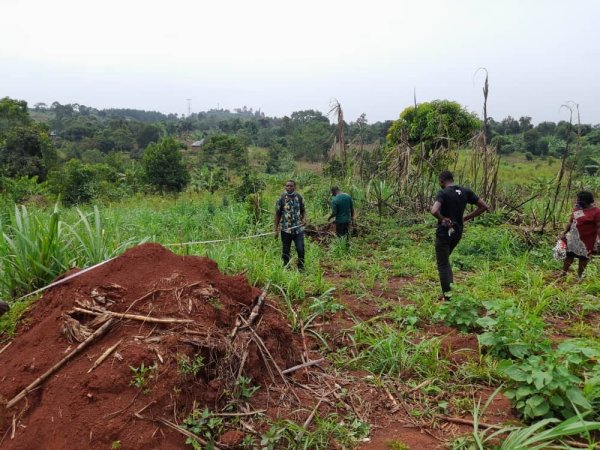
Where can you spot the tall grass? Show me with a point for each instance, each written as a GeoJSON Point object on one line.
{"type": "Point", "coordinates": [94, 244]}
{"type": "Point", "coordinates": [34, 250]}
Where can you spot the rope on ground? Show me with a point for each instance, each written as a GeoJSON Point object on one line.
{"type": "Point", "coordinates": [228, 239]}
{"type": "Point", "coordinates": [95, 266]}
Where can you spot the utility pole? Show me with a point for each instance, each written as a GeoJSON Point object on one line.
{"type": "Point", "coordinates": [189, 103]}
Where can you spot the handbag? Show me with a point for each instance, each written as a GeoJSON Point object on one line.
{"type": "Point", "coordinates": [560, 250]}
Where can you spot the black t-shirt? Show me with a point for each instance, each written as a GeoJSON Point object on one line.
{"type": "Point", "coordinates": [454, 200]}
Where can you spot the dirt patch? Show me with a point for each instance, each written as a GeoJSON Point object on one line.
{"type": "Point", "coordinates": [459, 348]}
{"type": "Point", "coordinates": [76, 408]}
{"type": "Point", "coordinates": [392, 288]}
{"type": "Point", "coordinates": [401, 433]}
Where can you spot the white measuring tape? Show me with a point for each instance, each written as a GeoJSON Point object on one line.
{"type": "Point", "coordinates": [88, 269]}
{"type": "Point", "coordinates": [228, 239]}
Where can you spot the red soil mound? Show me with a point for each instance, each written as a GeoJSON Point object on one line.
{"type": "Point", "coordinates": [75, 408]}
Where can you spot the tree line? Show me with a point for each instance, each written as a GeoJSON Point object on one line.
{"type": "Point", "coordinates": [80, 153]}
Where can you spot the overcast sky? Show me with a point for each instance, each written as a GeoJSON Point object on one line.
{"type": "Point", "coordinates": [282, 56]}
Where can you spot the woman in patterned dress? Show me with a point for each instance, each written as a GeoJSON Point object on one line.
{"type": "Point", "coordinates": [581, 232]}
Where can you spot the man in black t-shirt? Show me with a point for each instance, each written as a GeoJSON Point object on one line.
{"type": "Point", "coordinates": [448, 209]}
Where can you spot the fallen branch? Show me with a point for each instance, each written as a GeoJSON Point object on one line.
{"type": "Point", "coordinates": [259, 302]}
{"type": "Point", "coordinates": [302, 366]}
{"type": "Point", "coordinates": [239, 414]}
{"type": "Point", "coordinates": [38, 381]}
{"type": "Point", "coordinates": [390, 396]}
{"type": "Point", "coordinates": [182, 431]}
{"type": "Point", "coordinates": [145, 296]}
{"type": "Point", "coordinates": [104, 355]}
{"type": "Point", "coordinates": [6, 346]}
{"type": "Point", "coordinates": [253, 314]}
{"type": "Point", "coordinates": [470, 422]}
{"type": "Point", "coordinates": [106, 416]}
{"type": "Point", "coordinates": [133, 316]}
{"type": "Point", "coordinates": [310, 418]}
{"type": "Point", "coordinates": [421, 385]}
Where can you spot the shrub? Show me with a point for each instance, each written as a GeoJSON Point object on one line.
{"type": "Point", "coordinates": [461, 312]}
{"type": "Point", "coordinates": [163, 166]}
{"type": "Point", "coordinates": [509, 332]}
{"type": "Point", "coordinates": [547, 385]}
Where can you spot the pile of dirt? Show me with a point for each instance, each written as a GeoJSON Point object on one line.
{"type": "Point", "coordinates": [143, 380]}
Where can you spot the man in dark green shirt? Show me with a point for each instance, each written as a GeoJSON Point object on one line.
{"type": "Point", "coordinates": [343, 211]}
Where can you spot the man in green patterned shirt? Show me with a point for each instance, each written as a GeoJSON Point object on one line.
{"type": "Point", "coordinates": [290, 219]}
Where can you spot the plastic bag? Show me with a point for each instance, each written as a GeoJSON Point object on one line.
{"type": "Point", "coordinates": [560, 250]}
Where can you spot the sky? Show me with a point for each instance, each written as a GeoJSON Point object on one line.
{"type": "Point", "coordinates": [281, 56]}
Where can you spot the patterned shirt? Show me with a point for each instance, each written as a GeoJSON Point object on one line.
{"type": "Point", "coordinates": [584, 227]}
{"type": "Point", "coordinates": [291, 209]}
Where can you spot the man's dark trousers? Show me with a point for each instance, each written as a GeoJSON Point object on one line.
{"type": "Point", "coordinates": [298, 239]}
{"type": "Point", "coordinates": [343, 230]}
{"type": "Point", "coordinates": [443, 249]}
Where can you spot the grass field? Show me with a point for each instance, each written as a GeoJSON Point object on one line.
{"type": "Point", "coordinates": [372, 311]}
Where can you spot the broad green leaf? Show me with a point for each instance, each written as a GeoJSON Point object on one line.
{"type": "Point", "coordinates": [575, 395]}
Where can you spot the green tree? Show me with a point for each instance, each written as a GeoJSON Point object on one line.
{"type": "Point", "coordinates": [13, 113]}
{"type": "Point", "coordinates": [147, 134]}
{"type": "Point", "coordinates": [26, 151]}
{"type": "Point", "coordinates": [436, 124]}
{"type": "Point", "coordinates": [279, 158]}
{"type": "Point", "coordinates": [310, 134]}
{"type": "Point", "coordinates": [79, 182]}
{"type": "Point", "coordinates": [163, 166]}
{"type": "Point", "coordinates": [593, 137]}
{"type": "Point", "coordinates": [531, 138]}
{"type": "Point", "coordinates": [225, 151]}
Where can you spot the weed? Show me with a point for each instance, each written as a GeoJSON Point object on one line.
{"type": "Point", "coordinates": [509, 332]}
{"type": "Point", "coordinates": [406, 316]}
{"type": "Point", "coordinates": [8, 322]}
{"type": "Point", "coordinates": [548, 385]}
{"type": "Point", "coordinates": [397, 445]}
{"type": "Point", "coordinates": [142, 375]}
{"type": "Point", "coordinates": [485, 370]}
{"type": "Point", "coordinates": [215, 302]}
{"type": "Point", "coordinates": [115, 445]}
{"type": "Point", "coordinates": [189, 366]}
{"type": "Point", "coordinates": [243, 389]}
{"type": "Point", "coordinates": [203, 424]}
{"type": "Point", "coordinates": [384, 350]}
{"type": "Point", "coordinates": [461, 312]}
{"type": "Point", "coordinates": [463, 405]}
{"type": "Point", "coordinates": [328, 432]}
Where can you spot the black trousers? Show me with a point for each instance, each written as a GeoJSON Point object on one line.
{"type": "Point", "coordinates": [286, 242]}
{"type": "Point", "coordinates": [343, 230]}
{"type": "Point", "coordinates": [443, 250]}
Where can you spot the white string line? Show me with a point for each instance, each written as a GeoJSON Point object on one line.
{"type": "Point", "coordinates": [95, 266]}
{"type": "Point", "coordinates": [64, 280]}
{"type": "Point", "coordinates": [229, 239]}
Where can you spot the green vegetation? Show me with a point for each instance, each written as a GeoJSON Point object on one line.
{"type": "Point", "coordinates": [142, 375]}
{"type": "Point", "coordinates": [97, 188]}
{"type": "Point", "coordinates": [190, 365]}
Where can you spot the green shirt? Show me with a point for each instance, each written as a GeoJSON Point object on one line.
{"type": "Point", "coordinates": [341, 206]}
